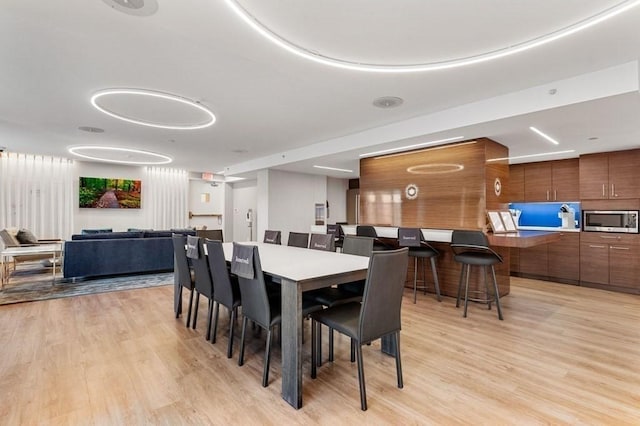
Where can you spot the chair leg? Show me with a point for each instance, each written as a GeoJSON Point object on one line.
{"type": "Point", "coordinates": [462, 271]}
{"type": "Point", "coordinates": [232, 321]}
{"type": "Point", "coordinates": [436, 283]}
{"type": "Point", "coordinates": [398, 362]}
{"type": "Point", "coordinates": [267, 358]}
{"type": "Point", "coordinates": [244, 328]}
{"type": "Point", "coordinates": [495, 286]}
{"type": "Point", "coordinates": [179, 303]}
{"type": "Point", "coordinates": [415, 278]}
{"type": "Point", "coordinates": [330, 344]}
{"type": "Point", "coordinates": [466, 291]}
{"type": "Point", "coordinates": [209, 317]}
{"type": "Point", "coordinates": [486, 288]}
{"type": "Point", "coordinates": [353, 350]}
{"type": "Point", "coordinates": [314, 347]}
{"type": "Point", "coordinates": [190, 305]}
{"type": "Point", "coordinates": [424, 276]}
{"type": "Point", "coordinates": [363, 391]}
{"type": "Point", "coordinates": [216, 314]}
{"type": "Point", "coordinates": [195, 312]}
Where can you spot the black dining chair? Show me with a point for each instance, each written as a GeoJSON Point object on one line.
{"type": "Point", "coordinates": [202, 275]}
{"type": "Point", "coordinates": [184, 276]}
{"type": "Point", "coordinates": [323, 242]}
{"type": "Point", "coordinates": [272, 237]}
{"type": "Point", "coordinates": [298, 239]}
{"type": "Point", "coordinates": [420, 249]}
{"type": "Point", "coordinates": [377, 316]}
{"type": "Point", "coordinates": [256, 304]}
{"type": "Point", "coordinates": [338, 234]}
{"type": "Point", "coordinates": [471, 248]}
{"type": "Point", "coordinates": [226, 291]}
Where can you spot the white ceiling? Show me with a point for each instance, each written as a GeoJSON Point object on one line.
{"type": "Point", "coordinates": [275, 109]}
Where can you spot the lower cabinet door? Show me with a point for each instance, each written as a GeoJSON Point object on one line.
{"type": "Point", "coordinates": [594, 263]}
{"type": "Point", "coordinates": [624, 265]}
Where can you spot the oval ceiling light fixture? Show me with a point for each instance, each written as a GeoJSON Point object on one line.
{"type": "Point", "coordinates": [153, 95]}
{"type": "Point", "coordinates": [435, 169]}
{"type": "Point", "coordinates": [312, 55]}
{"type": "Point", "coordinates": [112, 154]}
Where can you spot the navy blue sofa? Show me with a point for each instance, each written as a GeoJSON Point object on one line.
{"type": "Point", "coordinates": [118, 253]}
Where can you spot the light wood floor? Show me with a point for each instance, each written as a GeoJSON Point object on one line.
{"type": "Point", "coordinates": [563, 355]}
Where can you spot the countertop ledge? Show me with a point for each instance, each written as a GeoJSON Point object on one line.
{"type": "Point", "coordinates": [548, 228]}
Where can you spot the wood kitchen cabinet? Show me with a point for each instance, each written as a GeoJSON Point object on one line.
{"type": "Point", "coordinates": [516, 183]}
{"type": "Point", "coordinates": [552, 181]}
{"type": "Point", "coordinates": [610, 175]}
{"type": "Point", "coordinates": [610, 260]}
{"type": "Point", "coordinates": [559, 261]}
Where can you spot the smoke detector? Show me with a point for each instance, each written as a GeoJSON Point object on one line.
{"type": "Point", "coordinates": [134, 7]}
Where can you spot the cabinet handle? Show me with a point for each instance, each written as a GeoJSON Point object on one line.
{"type": "Point", "coordinates": [555, 195]}
{"type": "Point", "coordinates": [547, 195]}
{"type": "Point", "coordinates": [618, 248]}
{"type": "Point", "coordinates": [613, 190]}
{"type": "Point", "coordinates": [605, 237]}
{"type": "Point", "coordinates": [596, 246]}
{"type": "Point", "coordinates": [603, 190]}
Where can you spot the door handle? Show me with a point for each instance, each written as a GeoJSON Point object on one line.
{"type": "Point", "coordinates": [603, 195]}
{"type": "Point", "coordinates": [547, 195]}
{"type": "Point", "coordinates": [604, 237]}
{"type": "Point", "coordinates": [555, 195]}
{"type": "Point", "coordinates": [613, 190]}
{"type": "Point", "coordinates": [619, 248]}
{"type": "Point", "coordinates": [596, 246]}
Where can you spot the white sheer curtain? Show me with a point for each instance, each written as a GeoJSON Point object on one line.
{"type": "Point", "coordinates": [37, 193]}
{"type": "Point", "coordinates": [166, 198]}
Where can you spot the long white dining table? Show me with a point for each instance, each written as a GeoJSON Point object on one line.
{"type": "Point", "coordinates": [300, 270]}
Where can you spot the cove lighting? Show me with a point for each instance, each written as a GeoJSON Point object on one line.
{"type": "Point", "coordinates": [77, 150]}
{"type": "Point", "coordinates": [309, 54]}
{"type": "Point", "coordinates": [544, 135]}
{"type": "Point", "coordinates": [532, 155]}
{"type": "Point", "coordinates": [408, 147]}
{"type": "Point", "coordinates": [157, 95]}
{"type": "Point", "coordinates": [334, 168]}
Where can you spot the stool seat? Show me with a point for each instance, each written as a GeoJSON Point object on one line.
{"type": "Point", "coordinates": [477, 258]}
{"type": "Point", "coordinates": [425, 252]}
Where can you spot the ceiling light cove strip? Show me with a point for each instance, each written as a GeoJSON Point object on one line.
{"type": "Point", "coordinates": [409, 147]}
{"type": "Point", "coordinates": [309, 54]}
{"type": "Point", "coordinates": [77, 150]}
{"type": "Point", "coordinates": [542, 154]}
{"type": "Point", "coordinates": [333, 168]}
{"type": "Point", "coordinates": [544, 135]}
{"type": "Point", "coordinates": [153, 94]}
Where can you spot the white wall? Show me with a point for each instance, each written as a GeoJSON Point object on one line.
{"type": "Point", "coordinates": [244, 198]}
{"type": "Point", "coordinates": [292, 199]}
{"type": "Point", "coordinates": [118, 219]}
{"type": "Point", "coordinates": [337, 198]}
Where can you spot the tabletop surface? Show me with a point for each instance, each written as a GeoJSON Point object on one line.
{"type": "Point", "coordinates": [42, 248]}
{"type": "Point", "coordinates": [299, 264]}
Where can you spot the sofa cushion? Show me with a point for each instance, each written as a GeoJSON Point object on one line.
{"type": "Point", "coordinates": [96, 231]}
{"type": "Point", "coordinates": [157, 234]}
{"type": "Point", "coordinates": [24, 236]}
{"type": "Point", "coordinates": [9, 238]}
{"type": "Point", "coordinates": [107, 236]}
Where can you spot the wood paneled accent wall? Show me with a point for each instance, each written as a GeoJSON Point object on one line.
{"type": "Point", "coordinates": [455, 186]}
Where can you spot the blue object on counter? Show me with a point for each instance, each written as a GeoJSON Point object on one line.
{"type": "Point", "coordinates": [544, 214]}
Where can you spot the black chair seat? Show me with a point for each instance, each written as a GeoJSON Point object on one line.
{"type": "Point", "coordinates": [476, 258]}
{"type": "Point", "coordinates": [344, 318]}
{"type": "Point", "coordinates": [422, 252]}
{"type": "Point", "coordinates": [332, 296]}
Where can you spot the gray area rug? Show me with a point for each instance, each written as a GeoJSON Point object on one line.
{"type": "Point", "coordinates": [31, 284]}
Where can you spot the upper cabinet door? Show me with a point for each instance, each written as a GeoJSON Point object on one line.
{"type": "Point", "coordinates": [537, 182]}
{"type": "Point", "coordinates": [623, 174]}
{"type": "Point", "coordinates": [594, 176]}
{"type": "Point", "coordinates": [565, 178]}
{"type": "Point", "coordinates": [516, 183]}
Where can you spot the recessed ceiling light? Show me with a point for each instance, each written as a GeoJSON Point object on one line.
{"type": "Point", "coordinates": [112, 154]}
{"type": "Point", "coordinates": [408, 147]}
{"type": "Point", "coordinates": [334, 168]}
{"type": "Point", "coordinates": [511, 49]}
{"type": "Point", "coordinates": [153, 94]}
{"type": "Point", "coordinates": [542, 154]}
{"type": "Point", "coordinates": [387, 102]}
{"type": "Point", "coordinates": [544, 135]}
{"type": "Point", "coordinates": [134, 7]}
{"type": "Point", "coordinates": [594, 138]}
{"type": "Point", "coordinates": [91, 129]}
{"type": "Point", "coordinates": [240, 151]}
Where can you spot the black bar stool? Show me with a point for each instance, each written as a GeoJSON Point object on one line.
{"type": "Point", "coordinates": [419, 249]}
{"type": "Point", "coordinates": [471, 248]}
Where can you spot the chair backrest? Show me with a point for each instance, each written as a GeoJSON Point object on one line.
{"type": "Point", "coordinates": [253, 291]}
{"type": "Point", "coordinates": [202, 276]}
{"type": "Point", "coordinates": [181, 263]}
{"type": "Point", "coordinates": [360, 246]}
{"type": "Point", "coordinates": [471, 241]}
{"type": "Point", "coordinates": [325, 242]}
{"type": "Point", "coordinates": [382, 298]}
{"type": "Point", "coordinates": [212, 234]}
{"type": "Point", "coordinates": [409, 237]}
{"type": "Point", "coordinates": [8, 239]}
{"type": "Point", "coordinates": [366, 231]}
{"type": "Point", "coordinates": [336, 230]}
{"type": "Point", "coordinates": [298, 239]}
{"type": "Point", "coordinates": [273, 237]}
{"type": "Point", "coordinates": [222, 287]}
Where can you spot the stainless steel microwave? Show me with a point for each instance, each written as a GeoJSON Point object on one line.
{"type": "Point", "coordinates": [610, 221]}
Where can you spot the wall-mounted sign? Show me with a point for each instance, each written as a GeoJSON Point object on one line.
{"type": "Point", "coordinates": [497, 187]}
{"type": "Point", "coordinates": [411, 191]}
